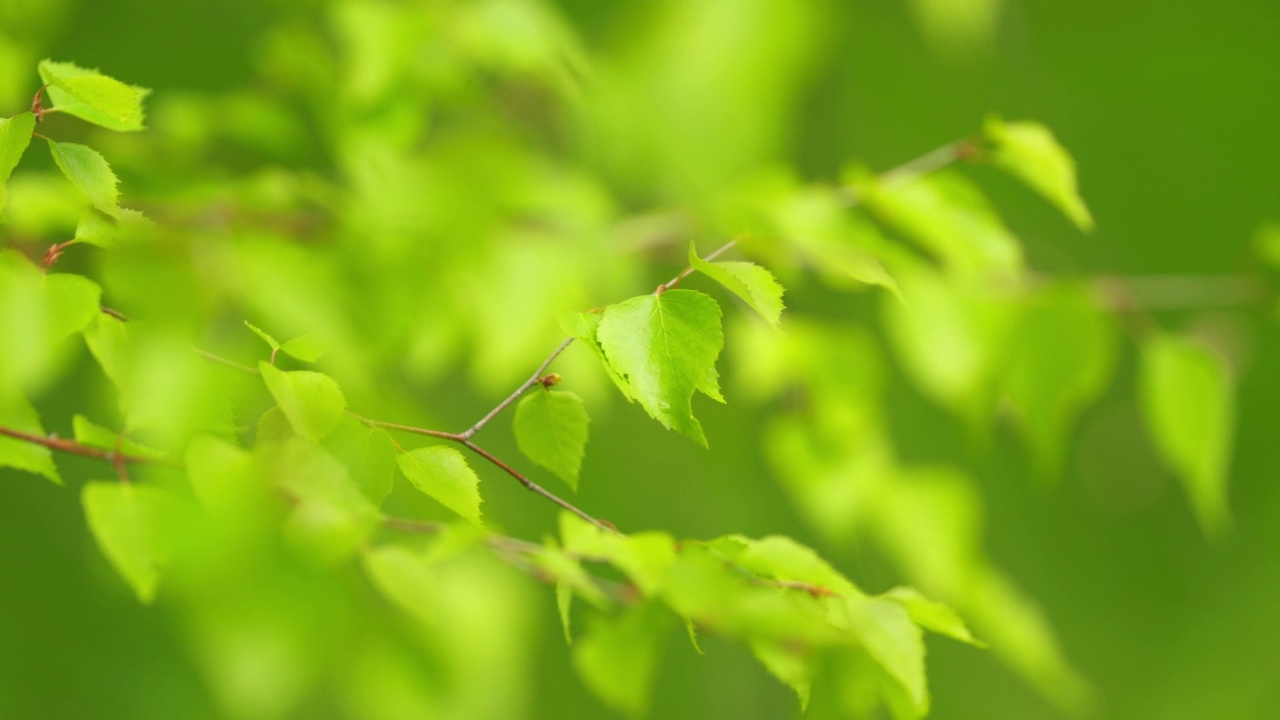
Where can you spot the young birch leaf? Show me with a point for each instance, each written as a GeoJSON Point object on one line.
{"type": "Point", "coordinates": [1189, 409]}
{"type": "Point", "coordinates": [953, 220]}
{"type": "Point", "coordinates": [443, 473]}
{"type": "Point", "coordinates": [89, 172]}
{"type": "Point", "coordinates": [15, 135]}
{"type": "Point", "coordinates": [564, 605]}
{"type": "Point", "coordinates": [311, 401]}
{"type": "Point", "coordinates": [583, 327]}
{"type": "Point", "coordinates": [307, 348]}
{"type": "Point", "coordinates": [262, 334]}
{"type": "Point", "coordinates": [126, 522]}
{"type": "Point", "coordinates": [886, 632]}
{"type": "Point", "coordinates": [710, 385]}
{"type": "Point", "coordinates": [618, 658]}
{"type": "Point", "coordinates": [792, 666]}
{"type": "Point", "coordinates": [664, 346]}
{"type": "Point", "coordinates": [94, 97]}
{"type": "Point", "coordinates": [754, 284]}
{"type": "Point", "coordinates": [17, 414]}
{"type": "Point", "coordinates": [1030, 152]}
{"type": "Point", "coordinates": [551, 430]}
{"type": "Point", "coordinates": [101, 230]}
{"type": "Point", "coordinates": [932, 615]}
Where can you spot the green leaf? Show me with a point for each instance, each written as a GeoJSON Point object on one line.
{"type": "Point", "coordinates": [568, 574]}
{"type": "Point", "coordinates": [17, 414]}
{"type": "Point", "coordinates": [885, 630]}
{"type": "Point", "coordinates": [780, 558]}
{"type": "Point", "coordinates": [1189, 409]}
{"type": "Point", "coordinates": [106, 338]}
{"type": "Point", "coordinates": [564, 606]}
{"type": "Point", "coordinates": [551, 430]}
{"type": "Point", "coordinates": [1030, 152]}
{"type": "Point", "coordinates": [443, 473]}
{"type": "Point", "coordinates": [840, 245]}
{"type": "Point", "coordinates": [755, 285]}
{"type": "Point", "coordinates": [644, 557]}
{"type": "Point", "coordinates": [311, 401]}
{"type": "Point", "coordinates": [932, 615]}
{"type": "Point", "coordinates": [128, 522]}
{"type": "Point", "coordinates": [307, 348]}
{"type": "Point", "coordinates": [692, 629]}
{"type": "Point", "coordinates": [38, 312]}
{"type": "Point", "coordinates": [92, 96]}
{"type": "Point", "coordinates": [260, 333]}
{"type": "Point", "coordinates": [792, 666]}
{"type": "Point", "coordinates": [618, 658]}
{"type": "Point", "coordinates": [101, 230]}
{"type": "Point", "coordinates": [90, 173]}
{"type": "Point", "coordinates": [368, 453]}
{"type": "Point", "coordinates": [330, 518]}
{"type": "Point", "coordinates": [15, 135]}
{"type": "Point", "coordinates": [220, 474]}
{"type": "Point", "coordinates": [584, 327]}
{"type": "Point", "coordinates": [88, 433]}
{"type": "Point", "coordinates": [1060, 357]}
{"type": "Point", "coordinates": [951, 218]}
{"type": "Point", "coordinates": [664, 346]}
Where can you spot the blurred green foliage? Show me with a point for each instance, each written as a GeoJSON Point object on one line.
{"type": "Point", "coordinates": [965, 394]}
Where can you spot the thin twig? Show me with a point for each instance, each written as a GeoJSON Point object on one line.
{"type": "Point", "coordinates": [689, 270]}
{"type": "Point", "coordinates": [536, 488]}
{"type": "Point", "coordinates": [533, 380]}
{"type": "Point", "coordinates": [912, 170]}
{"type": "Point", "coordinates": [75, 448]}
{"type": "Point", "coordinates": [456, 437]}
{"type": "Point", "coordinates": [115, 314]}
{"type": "Point", "coordinates": [229, 363]}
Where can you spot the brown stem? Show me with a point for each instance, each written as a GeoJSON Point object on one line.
{"type": "Point", "coordinates": [456, 437]}
{"type": "Point", "coordinates": [75, 448]}
{"type": "Point", "coordinates": [229, 363]}
{"type": "Point", "coordinates": [534, 379]}
{"type": "Point", "coordinates": [912, 170]}
{"type": "Point", "coordinates": [536, 488]}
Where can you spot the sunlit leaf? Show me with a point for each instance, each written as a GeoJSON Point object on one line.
{"type": "Point", "coordinates": [275, 345]}
{"type": "Point", "coordinates": [664, 345]}
{"type": "Point", "coordinates": [38, 312]}
{"type": "Point", "coordinates": [584, 327]}
{"type": "Point", "coordinates": [101, 230]}
{"type": "Point", "coordinates": [783, 559]}
{"type": "Point", "coordinates": [128, 523]}
{"type": "Point", "coordinates": [951, 218]}
{"type": "Point", "coordinates": [885, 630]}
{"type": "Point", "coordinates": [17, 414]}
{"type": "Point", "coordinates": [1060, 358]}
{"type": "Point", "coordinates": [792, 666]}
{"type": "Point", "coordinates": [932, 615]}
{"type": "Point", "coordinates": [618, 656]}
{"type": "Point", "coordinates": [330, 517]}
{"type": "Point", "coordinates": [1189, 407]}
{"type": "Point", "coordinates": [15, 135]}
{"type": "Point", "coordinates": [311, 401]}
{"type": "Point", "coordinates": [307, 348]}
{"type": "Point", "coordinates": [644, 557]}
{"type": "Point", "coordinates": [1030, 152]}
{"type": "Point", "coordinates": [443, 473]}
{"type": "Point", "coordinates": [754, 284]}
{"type": "Point", "coordinates": [90, 173]}
{"type": "Point", "coordinates": [92, 96]}
{"type": "Point", "coordinates": [551, 430]}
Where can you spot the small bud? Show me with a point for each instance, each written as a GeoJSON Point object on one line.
{"type": "Point", "coordinates": [550, 380]}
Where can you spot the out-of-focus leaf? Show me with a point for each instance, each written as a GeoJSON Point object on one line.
{"type": "Point", "coordinates": [368, 453]}
{"type": "Point", "coordinates": [792, 666]}
{"type": "Point", "coordinates": [1189, 406]}
{"type": "Point", "coordinates": [1061, 355]}
{"type": "Point", "coordinates": [953, 220]}
{"type": "Point", "coordinates": [841, 246]}
{"type": "Point", "coordinates": [307, 348]}
{"type": "Point", "coordinates": [932, 615]}
{"type": "Point", "coordinates": [551, 430]}
{"type": "Point", "coordinates": [15, 135]}
{"type": "Point", "coordinates": [1030, 152]}
{"type": "Point", "coordinates": [90, 173]}
{"type": "Point", "coordinates": [331, 518]}
{"type": "Point", "coordinates": [101, 230]}
{"type": "Point", "coordinates": [664, 346]}
{"type": "Point", "coordinates": [780, 558]}
{"type": "Point", "coordinates": [644, 557]}
{"type": "Point", "coordinates": [618, 657]}
{"type": "Point", "coordinates": [443, 473]}
{"type": "Point", "coordinates": [92, 96]}
{"type": "Point", "coordinates": [275, 345]}
{"type": "Point", "coordinates": [17, 414]}
{"type": "Point", "coordinates": [885, 630]}
{"type": "Point", "coordinates": [128, 522]}
{"type": "Point", "coordinates": [958, 27]}
{"type": "Point", "coordinates": [312, 401]}
{"type": "Point", "coordinates": [37, 313]}
{"type": "Point", "coordinates": [754, 284]}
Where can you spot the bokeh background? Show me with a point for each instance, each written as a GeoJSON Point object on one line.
{"type": "Point", "coordinates": [1168, 107]}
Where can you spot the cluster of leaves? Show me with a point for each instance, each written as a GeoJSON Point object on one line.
{"type": "Point", "coordinates": [212, 461]}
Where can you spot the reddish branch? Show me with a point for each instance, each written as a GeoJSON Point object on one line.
{"type": "Point", "coordinates": [115, 457]}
